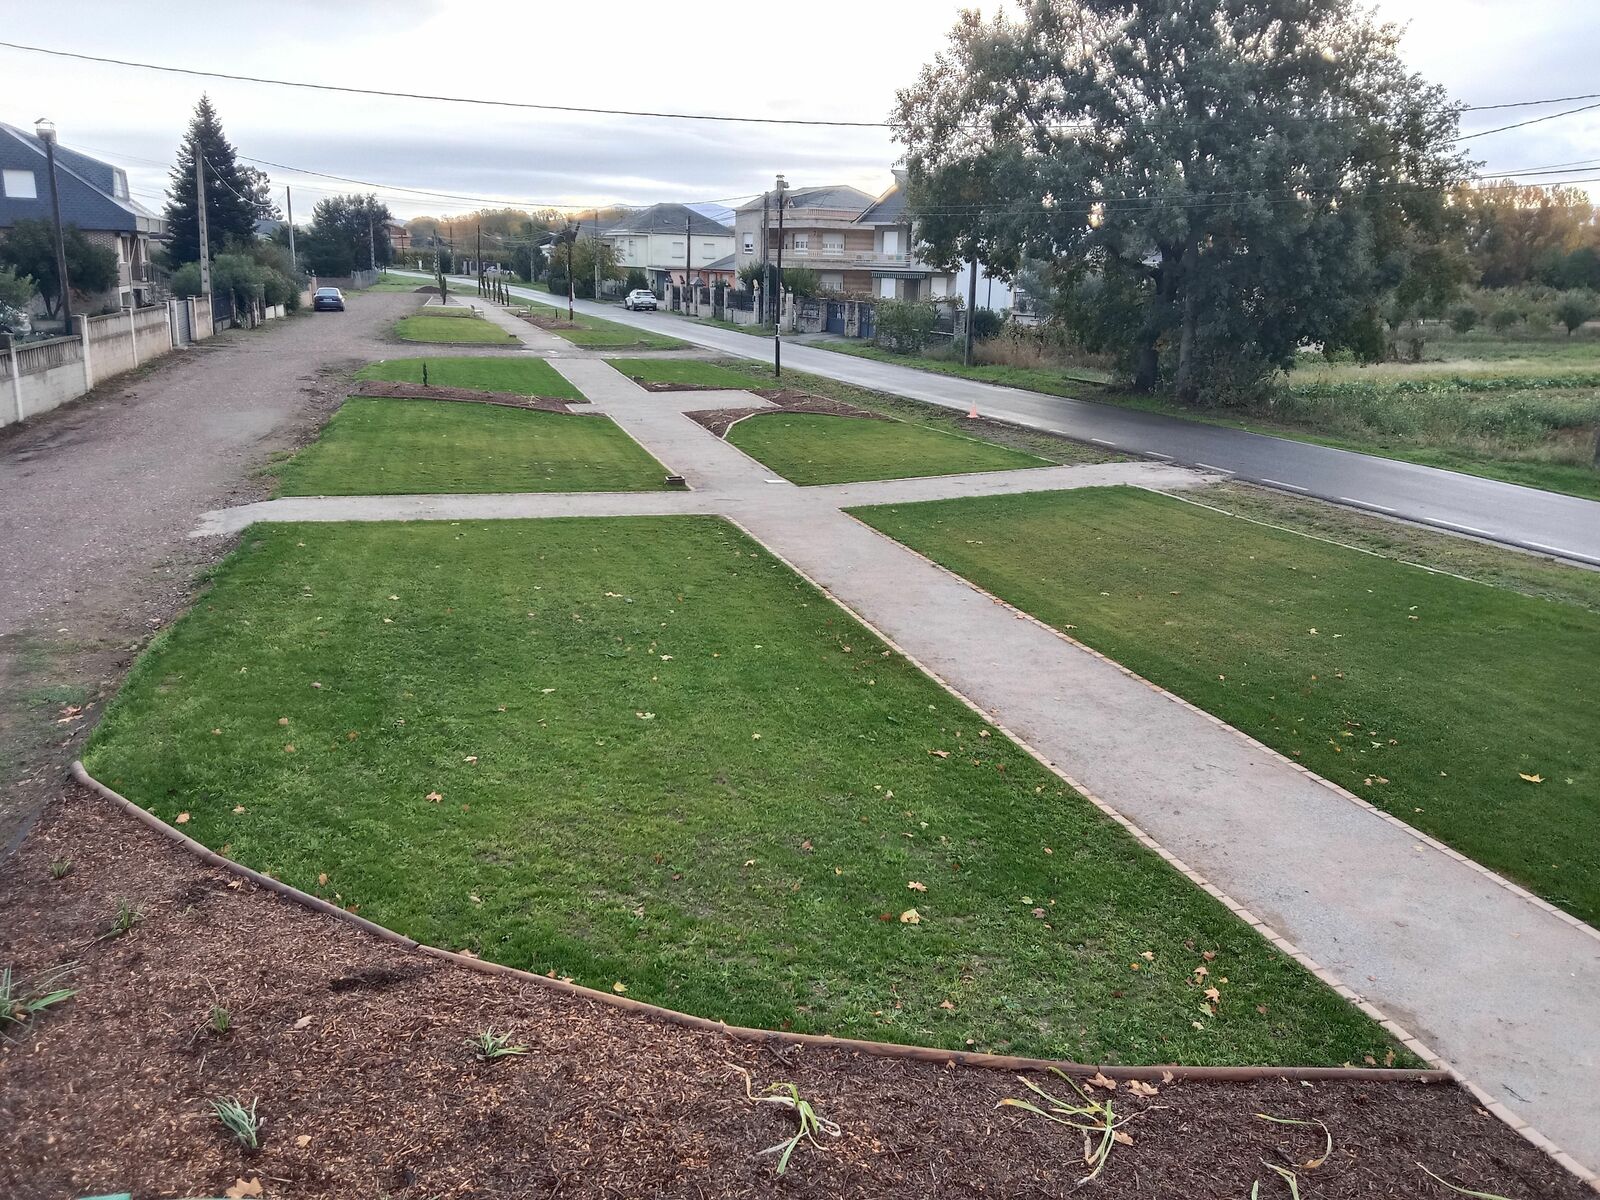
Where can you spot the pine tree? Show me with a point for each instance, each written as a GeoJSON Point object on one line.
{"type": "Point", "coordinates": [235, 197]}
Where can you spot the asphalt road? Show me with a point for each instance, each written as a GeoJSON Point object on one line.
{"type": "Point", "coordinates": [1547, 522]}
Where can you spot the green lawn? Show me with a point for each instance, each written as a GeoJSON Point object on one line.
{"type": "Point", "coordinates": [811, 448]}
{"type": "Point", "coordinates": [524, 376]}
{"type": "Point", "coordinates": [691, 372]}
{"type": "Point", "coordinates": [1053, 381]}
{"type": "Point", "coordinates": [596, 333]}
{"type": "Point", "coordinates": [1428, 695]}
{"type": "Point", "coordinates": [398, 283]}
{"type": "Point", "coordinates": [642, 753]}
{"type": "Point", "coordinates": [435, 326]}
{"type": "Point", "coordinates": [385, 447]}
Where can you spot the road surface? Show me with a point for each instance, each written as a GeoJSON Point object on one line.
{"type": "Point", "coordinates": [1546, 522]}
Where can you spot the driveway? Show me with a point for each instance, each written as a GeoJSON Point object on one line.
{"type": "Point", "coordinates": [99, 495]}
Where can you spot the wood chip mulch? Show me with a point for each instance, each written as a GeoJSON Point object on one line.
{"type": "Point", "coordinates": [355, 1050]}
{"type": "Point", "coordinates": [720, 420]}
{"type": "Point", "coordinates": [416, 391]}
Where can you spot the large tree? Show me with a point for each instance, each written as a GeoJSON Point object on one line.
{"type": "Point", "coordinates": [30, 249]}
{"type": "Point", "coordinates": [1230, 178]}
{"type": "Point", "coordinates": [1515, 232]}
{"type": "Point", "coordinates": [347, 234]}
{"type": "Point", "coordinates": [236, 197]}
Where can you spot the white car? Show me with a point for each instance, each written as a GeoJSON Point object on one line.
{"type": "Point", "coordinates": [639, 298]}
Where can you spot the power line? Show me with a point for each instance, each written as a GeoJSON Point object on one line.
{"type": "Point", "coordinates": [1531, 121]}
{"type": "Point", "coordinates": [359, 91]}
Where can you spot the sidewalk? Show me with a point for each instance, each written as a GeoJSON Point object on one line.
{"type": "Point", "coordinates": [1498, 985]}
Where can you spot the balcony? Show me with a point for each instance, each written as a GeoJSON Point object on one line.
{"type": "Point", "coordinates": [829, 257]}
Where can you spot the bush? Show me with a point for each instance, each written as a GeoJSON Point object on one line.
{"type": "Point", "coordinates": [556, 280]}
{"type": "Point", "coordinates": [905, 326]}
{"type": "Point", "coordinates": [1574, 309]}
{"type": "Point", "coordinates": [802, 281]}
{"type": "Point", "coordinates": [986, 323]}
{"type": "Point", "coordinates": [185, 281]}
{"type": "Point", "coordinates": [1503, 318]}
{"type": "Point", "coordinates": [636, 280]}
{"type": "Point", "coordinates": [1463, 318]}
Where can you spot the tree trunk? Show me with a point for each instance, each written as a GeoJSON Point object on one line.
{"type": "Point", "coordinates": [1146, 367]}
{"type": "Point", "coordinates": [1187, 388]}
{"type": "Point", "coordinates": [1596, 462]}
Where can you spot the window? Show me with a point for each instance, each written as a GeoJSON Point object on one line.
{"type": "Point", "coordinates": [749, 243]}
{"type": "Point", "coordinates": [802, 241]}
{"type": "Point", "coordinates": [677, 249]}
{"type": "Point", "coordinates": [119, 185]}
{"type": "Point", "coordinates": [833, 243]}
{"type": "Point", "coordinates": [19, 185]}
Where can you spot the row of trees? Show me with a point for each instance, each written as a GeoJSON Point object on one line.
{"type": "Point", "coordinates": [1204, 186]}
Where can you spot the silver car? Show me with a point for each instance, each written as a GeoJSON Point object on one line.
{"type": "Point", "coordinates": [639, 298]}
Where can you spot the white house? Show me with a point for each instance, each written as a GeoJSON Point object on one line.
{"type": "Point", "coordinates": [901, 274]}
{"type": "Point", "coordinates": [653, 241]}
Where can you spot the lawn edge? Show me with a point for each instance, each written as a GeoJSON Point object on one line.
{"type": "Point", "coordinates": [1311, 966]}
{"type": "Point", "coordinates": [1433, 843]}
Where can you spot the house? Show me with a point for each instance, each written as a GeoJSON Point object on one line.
{"type": "Point", "coordinates": [399, 236]}
{"type": "Point", "coordinates": [94, 197]}
{"type": "Point", "coordinates": [652, 240]}
{"type": "Point", "coordinates": [898, 273]}
{"type": "Point", "coordinates": [819, 232]}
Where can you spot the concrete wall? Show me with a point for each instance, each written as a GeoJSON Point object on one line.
{"type": "Point", "coordinates": [36, 377]}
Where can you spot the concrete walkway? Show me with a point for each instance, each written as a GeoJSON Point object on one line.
{"type": "Point", "coordinates": [1499, 985]}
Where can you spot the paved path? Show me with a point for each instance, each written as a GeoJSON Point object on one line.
{"type": "Point", "coordinates": [1499, 985]}
{"type": "Point", "coordinates": [1565, 526]}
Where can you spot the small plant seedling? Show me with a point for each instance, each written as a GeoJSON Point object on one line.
{"type": "Point", "coordinates": [240, 1121]}
{"type": "Point", "coordinates": [490, 1045]}
{"type": "Point", "coordinates": [786, 1095]}
{"type": "Point", "coordinates": [1100, 1125]}
{"type": "Point", "coordinates": [220, 1021]}
{"type": "Point", "coordinates": [1461, 1191]}
{"type": "Point", "coordinates": [20, 999]}
{"type": "Point", "coordinates": [61, 868]}
{"type": "Point", "coordinates": [1311, 1164]}
{"type": "Point", "coordinates": [127, 917]}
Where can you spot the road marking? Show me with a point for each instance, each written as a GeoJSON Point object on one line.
{"type": "Point", "coordinates": [1364, 504]}
{"type": "Point", "coordinates": [1295, 487]}
{"type": "Point", "coordinates": [1162, 457]}
{"type": "Point", "coordinates": [1102, 441]}
{"type": "Point", "coordinates": [1561, 551]}
{"type": "Point", "coordinates": [1209, 467]}
{"type": "Point", "coordinates": [1466, 528]}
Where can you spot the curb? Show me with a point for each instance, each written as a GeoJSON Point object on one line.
{"type": "Point", "coordinates": [894, 1050]}
{"type": "Point", "coordinates": [1404, 1036]}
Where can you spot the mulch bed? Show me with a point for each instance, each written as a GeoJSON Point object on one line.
{"type": "Point", "coordinates": [416, 391]}
{"type": "Point", "coordinates": [354, 1047]}
{"type": "Point", "coordinates": [720, 420]}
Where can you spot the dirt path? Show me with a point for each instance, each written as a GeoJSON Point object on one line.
{"type": "Point", "coordinates": [98, 498]}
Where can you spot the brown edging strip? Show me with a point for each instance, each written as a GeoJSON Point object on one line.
{"type": "Point", "coordinates": [926, 1054]}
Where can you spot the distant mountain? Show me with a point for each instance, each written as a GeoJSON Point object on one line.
{"type": "Point", "coordinates": [717, 212]}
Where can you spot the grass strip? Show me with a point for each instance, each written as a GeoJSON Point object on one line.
{"type": "Point", "coordinates": [462, 330]}
{"type": "Point", "coordinates": [523, 376]}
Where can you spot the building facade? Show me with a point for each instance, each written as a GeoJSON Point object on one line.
{"type": "Point", "coordinates": [654, 241]}
{"type": "Point", "coordinates": [94, 197]}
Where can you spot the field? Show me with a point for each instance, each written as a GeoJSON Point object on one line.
{"type": "Point", "coordinates": [524, 376]}
{"type": "Point", "coordinates": [643, 754]}
{"type": "Point", "coordinates": [435, 326]}
{"type": "Point", "coordinates": [691, 373]}
{"type": "Point", "coordinates": [1466, 709]}
{"type": "Point", "coordinates": [1522, 409]}
{"type": "Point", "coordinates": [596, 333]}
{"type": "Point", "coordinates": [381, 446]}
{"type": "Point", "coordinates": [812, 448]}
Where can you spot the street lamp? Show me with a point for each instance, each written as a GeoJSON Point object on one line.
{"type": "Point", "coordinates": [46, 129]}
{"type": "Point", "coordinates": [570, 235]}
{"type": "Point", "coordinates": [777, 324]}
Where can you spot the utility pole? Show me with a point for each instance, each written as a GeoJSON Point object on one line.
{"type": "Point", "coordinates": [372, 246]}
{"type": "Point", "coordinates": [479, 253]}
{"type": "Point", "coordinates": [766, 263]}
{"type": "Point", "coordinates": [597, 254]}
{"type": "Point", "coordinates": [572, 236]}
{"type": "Point", "coordinates": [688, 257]}
{"type": "Point", "coordinates": [46, 130]}
{"type": "Point", "coordinates": [777, 325]}
{"type": "Point", "coordinates": [288, 200]}
{"type": "Point", "coordinates": [205, 236]}
{"type": "Point", "coordinates": [972, 301]}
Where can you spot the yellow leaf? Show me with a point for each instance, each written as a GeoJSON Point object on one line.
{"type": "Point", "coordinates": [303, 1140]}
{"type": "Point", "coordinates": [910, 917]}
{"type": "Point", "coordinates": [183, 818]}
{"type": "Point", "coordinates": [434, 797]}
{"type": "Point", "coordinates": [1532, 778]}
{"type": "Point", "coordinates": [619, 987]}
{"type": "Point", "coordinates": [322, 879]}
{"type": "Point", "coordinates": [917, 887]}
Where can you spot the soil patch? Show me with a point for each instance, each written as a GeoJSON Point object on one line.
{"type": "Point", "coordinates": [417, 391]}
{"type": "Point", "coordinates": [355, 1049]}
{"type": "Point", "coordinates": [720, 420]}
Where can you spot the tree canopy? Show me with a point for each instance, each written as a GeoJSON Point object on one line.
{"type": "Point", "coordinates": [1223, 179]}
{"type": "Point", "coordinates": [29, 249]}
{"type": "Point", "coordinates": [236, 196]}
{"type": "Point", "coordinates": [1517, 233]}
{"type": "Point", "coordinates": [346, 234]}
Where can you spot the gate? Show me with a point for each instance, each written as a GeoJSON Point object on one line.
{"type": "Point", "coordinates": [178, 315]}
{"type": "Point", "coordinates": [868, 317]}
{"type": "Point", "coordinates": [835, 319]}
{"type": "Point", "coordinates": [221, 310]}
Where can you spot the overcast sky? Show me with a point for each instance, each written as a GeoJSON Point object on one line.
{"type": "Point", "coordinates": [832, 59]}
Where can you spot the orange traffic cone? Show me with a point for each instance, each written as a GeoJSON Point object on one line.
{"type": "Point", "coordinates": [973, 415]}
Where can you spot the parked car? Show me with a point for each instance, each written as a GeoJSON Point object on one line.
{"type": "Point", "coordinates": [640, 298]}
{"type": "Point", "coordinates": [327, 300]}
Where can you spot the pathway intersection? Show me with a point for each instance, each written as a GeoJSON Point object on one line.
{"type": "Point", "coordinates": [1486, 977]}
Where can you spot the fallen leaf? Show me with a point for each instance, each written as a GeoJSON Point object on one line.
{"type": "Point", "coordinates": [1208, 955]}
{"type": "Point", "coordinates": [216, 732]}
{"type": "Point", "coordinates": [755, 737]}
{"type": "Point", "coordinates": [806, 846]}
{"type": "Point", "coordinates": [243, 1187]}
{"type": "Point", "coordinates": [946, 1005]}
{"type": "Point", "coordinates": [283, 720]}
{"type": "Point", "coordinates": [182, 819]}
{"type": "Point", "coordinates": [1099, 1080]}
{"type": "Point", "coordinates": [940, 753]}
{"type": "Point", "coordinates": [619, 987]}
{"type": "Point", "coordinates": [1148, 955]}
{"type": "Point", "coordinates": [917, 886]}
{"type": "Point", "coordinates": [910, 917]}
{"type": "Point", "coordinates": [238, 808]}
{"type": "Point", "coordinates": [322, 880]}
{"type": "Point", "coordinates": [434, 797]}
{"type": "Point", "coordinates": [303, 1140]}
{"type": "Point", "coordinates": [1531, 778]}
{"type": "Point", "coordinates": [302, 1022]}
{"type": "Point", "coordinates": [1212, 995]}
{"type": "Point", "coordinates": [288, 748]}
{"type": "Point", "coordinates": [1140, 1088]}
{"type": "Point", "coordinates": [1125, 1139]}
{"type": "Point", "coordinates": [645, 716]}
{"type": "Point", "coordinates": [471, 758]}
